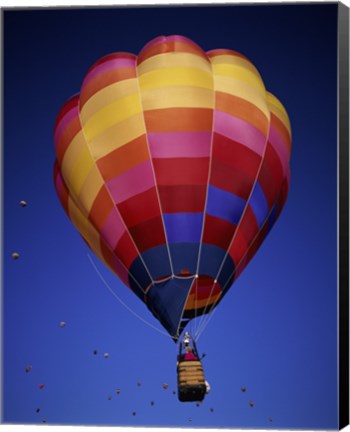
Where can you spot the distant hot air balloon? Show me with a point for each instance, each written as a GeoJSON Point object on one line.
{"type": "Point", "coordinates": [41, 386]}
{"type": "Point", "coordinates": [173, 165]}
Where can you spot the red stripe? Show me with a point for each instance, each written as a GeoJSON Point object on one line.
{"type": "Point", "coordinates": [248, 225]}
{"type": "Point", "coordinates": [238, 247]}
{"type": "Point", "coordinates": [61, 188]}
{"type": "Point", "coordinates": [230, 179]}
{"type": "Point", "coordinates": [140, 208]}
{"type": "Point", "coordinates": [205, 288]}
{"type": "Point", "coordinates": [125, 250]}
{"type": "Point", "coordinates": [218, 232]}
{"type": "Point", "coordinates": [66, 138]}
{"type": "Point", "coordinates": [236, 155]}
{"type": "Point", "coordinates": [181, 171]}
{"type": "Point", "coordinates": [69, 104]}
{"type": "Point", "coordinates": [148, 234]}
{"type": "Point", "coordinates": [182, 198]}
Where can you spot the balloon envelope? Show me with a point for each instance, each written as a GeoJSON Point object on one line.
{"type": "Point", "coordinates": [173, 165]}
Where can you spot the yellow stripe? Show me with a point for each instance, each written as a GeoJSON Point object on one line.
{"type": "Point", "coordinates": [278, 109]}
{"type": "Point", "coordinates": [108, 95]}
{"type": "Point", "coordinates": [174, 97]}
{"type": "Point", "coordinates": [169, 77]}
{"type": "Point", "coordinates": [111, 115]}
{"type": "Point", "coordinates": [80, 170]}
{"type": "Point", "coordinates": [85, 228]}
{"type": "Point", "coordinates": [242, 90]}
{"type": "Point", "coordinates": [240, 73]}
{"type": "Point", "coordinates": [174, 60]}
{"type": "Point", "coordinates": [234, 60]}
{"type": "Point", "coordinates": [72, 153]}
{"type": "Point", "coordinates": [91, 187]}
{"type": "Point", "coordinates": [117, 135]}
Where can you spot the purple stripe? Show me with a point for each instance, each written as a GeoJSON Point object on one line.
{"type": "Point", "coordinates": [131, 182]}
{"type": "Point", "coordinates": [240, 131]}
{"type": "Point", "coordinates": [183, 227]}
{"type": "Point", "coordinates": [280, 147]}
{"type": "Point", "coordinates": [106, 67]}
{"type": "Point", "coordinates": [179, 144]}
{"type": "Point", "coordinates": [113, 229]}
{"type": "Point", "coordinates": [62, 125]}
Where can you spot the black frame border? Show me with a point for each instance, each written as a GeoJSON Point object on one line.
{"type": "Point", "coordinates": [343, 203]}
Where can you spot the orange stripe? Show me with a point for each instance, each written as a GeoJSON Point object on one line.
{"type": "Point", "coordinates": [192, 303]}
{"type": "Point", "coordinates": [179, 120]}
{"type": "Point", "coordinates": [102, 81]}
{"type": "Point", "coordinates": [242, 109]}
{"type": "Point", "coordinates": [101, 208]}
{"type": "Point", "coordinates": [124, 158]}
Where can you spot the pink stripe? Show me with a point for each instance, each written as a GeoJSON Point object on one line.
{"type": "Point", "coordinates": [240, 131]}
{"type": "Point", "coordinates": [179, 144]}
{"type": "Point", "coordinates": [131, 182]}
{"type": "Point", "coordinates": [107, 66]}
{"type": "Point", "coordinates": [280, 147]}
{"type": "Point", "coordinates": [113, 229]}
{"type": "Point", "coordinates": [68, 118]}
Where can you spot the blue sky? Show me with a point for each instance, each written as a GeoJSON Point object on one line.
{"type": "Point", "coordinates": [276, 331]}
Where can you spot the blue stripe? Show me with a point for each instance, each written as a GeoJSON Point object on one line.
{"type": "Point", "coordinates": [157, 261]}
{"type": "Point", "coordinates": [212, 257]}
{"type": "Point", "coordinates": [184, 256]}
{"type": "Point", "coordinates": [272, 218]}
{"type": "Point", "coordinates": [258, 204]}
{"type": "Point", "coordinates": [224, 205]}
{"type": "Point", "coordinates": [183, 227]}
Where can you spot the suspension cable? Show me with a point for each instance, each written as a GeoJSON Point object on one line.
{"type": "Point", "coordinates": [121, 301]}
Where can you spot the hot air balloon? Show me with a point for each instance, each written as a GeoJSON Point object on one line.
{"type": "Point", "coordinates": [173, 165]}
